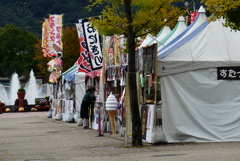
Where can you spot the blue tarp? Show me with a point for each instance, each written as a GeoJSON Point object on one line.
{"type": "Point", "coordinates": [70, 73]}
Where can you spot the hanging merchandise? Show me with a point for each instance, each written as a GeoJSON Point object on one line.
{"type": "Point", "coordinates": [66, 85]}
{"type": "Point", "coordinates": [89, 82]}
{"type": "Point", "coordinates": [96, 84]}
{"type": "Point", "coordinates": [141, 83]}
{"type": "Point", "coordinates": [103, 73]}
{"type": "Point", "coordinates": [148, 85]}
{"type": "Point", "coordinates": [122, 99]}
{"type": "Point", "coordinates": [114, 74]}
{"type": "Point", "coordinates": [141, 79]}
{"type": "Point", "coordinates": [150, 60]}
{"type": "Point", "coordinates": [118, 72]}
{"type": "Point", "coordinates": [140, 59]}
{"type": "Point", "coordinates": [111, 52]}
{"type": "Point", "coordinates": [124, 58]}
{"type": "Point", "coordinates": [123, 75]}
{"type": "Point", "coordinates": [106, 46]}
{"type": "Point", "coordinates": [116, 49]}
{"type": "Point", "coordinates": [109, 74]}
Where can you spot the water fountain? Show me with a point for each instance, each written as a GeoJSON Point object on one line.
{"type": "Point", "coordinates": [9, 96]}
{"type": "Point", "coordinates": [31, 89]}
{"type": "Point", "coordinates": [3, 95]}
{"type": "Point", "coordinates": [14, 86]}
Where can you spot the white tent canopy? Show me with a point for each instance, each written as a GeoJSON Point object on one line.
{"type": "Point", "coordinates": [196, 106]}
{"type": "Point", "coordinates": [180, 27]}
{"type": "Point", "coordinates": [166, 35]}
{"type": "Point", "coordinates": [198, 23]}
{"type": "Point", "coordinates": [208, 46]}
{"type": "Point", "coordinates": [162, 34]}
{"type": "Point", "coordinates": [148, 39]}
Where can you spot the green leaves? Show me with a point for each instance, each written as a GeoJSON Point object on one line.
{"type": "Point", "coordinates": [16, 51]}
{"type": "Point", "coordinates": [229, 10]}
{"type": "Point", "coordinates": [146, 15]}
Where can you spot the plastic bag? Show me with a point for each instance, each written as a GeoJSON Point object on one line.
{"type": "Point", "coordinates": [69, 117]}
{"type": "Point", "coordinates": [49, 114]}
{"type": "Point", "coordinates": [80, 122]}
{"type": "Point", "coordinates": [158, 135]}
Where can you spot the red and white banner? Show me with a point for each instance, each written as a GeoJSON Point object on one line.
{"type": "Point", "coordinates": [83, 60]}
{"type": "Point", "coordinates": [55, 67]}
{"type": "Point", "coordinates": [52, 36]}
{"type": "Point", "coordinates": [55, 34]}
{"type": "Point", "coordinates": [52, 45]}
{"type": "Point", "coordinates": [93, 45]}
{"type": "Point", "coordinates": [193, 16]}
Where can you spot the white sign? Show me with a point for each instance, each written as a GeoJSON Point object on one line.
{"type": "Point", "coordinates": [93, 45]}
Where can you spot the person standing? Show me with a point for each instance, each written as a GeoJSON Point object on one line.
{"type": "Point", "coordinates": [88, 99]}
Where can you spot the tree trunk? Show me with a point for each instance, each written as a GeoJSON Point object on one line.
{"type": "Point", "coordinates": [136, 121]}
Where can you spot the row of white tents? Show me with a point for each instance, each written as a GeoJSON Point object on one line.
{"type": "Point", "coordinates": [196, 105]}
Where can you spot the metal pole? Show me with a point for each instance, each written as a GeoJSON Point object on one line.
{"type": "Point", "coordinates": [99, 122]}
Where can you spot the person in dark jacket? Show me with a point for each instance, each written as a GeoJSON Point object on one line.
{"type": "Point", "coordinates": [88, 99]}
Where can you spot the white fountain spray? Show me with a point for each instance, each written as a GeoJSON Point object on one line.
{"type": "Point", "coordinates": [31, 89]}
{"type": "Point", "coordinates": [14, 86]}
{"type": "Point", "coordinates": [3, 95]}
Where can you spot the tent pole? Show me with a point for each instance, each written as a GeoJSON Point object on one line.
{"type": "Point", "coordinates": [155, 85]}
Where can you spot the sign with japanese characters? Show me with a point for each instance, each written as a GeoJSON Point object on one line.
{"type": "Point", "coordinates": [93, 45]}
{"type": "Point", "coordinates": [229, 73]}
{"type": "Point", "coordinates": [55, 34]}
{"type": "Point", "coordinates": [83, 60]}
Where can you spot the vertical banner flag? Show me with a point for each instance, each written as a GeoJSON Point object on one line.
{"type": "Point", "coordinates": [93, 45]}
{"type": "Point", "coordinates": [44, 39]}
{"type": "Point", "coordinates": [45, 47]}
{"type": "Point", "coordinates": [83, 60]}
{"type": "Point", "coordinates": [117, 49]}
{"type": "Point", "coordinates": [52, 45]}
{"type": "Point", "coordinates": [111, 52]}
{"type": "Point", "coordinates": [55, 34]}
{"type": "Point", "coordinates": [193, 16]}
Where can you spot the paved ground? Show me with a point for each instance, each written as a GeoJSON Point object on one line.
{"type": "Point", "coordinates": [31, 136]}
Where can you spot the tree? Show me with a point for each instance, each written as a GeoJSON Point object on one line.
{"type": "Point", "coordinates": [229, 10]}
{"type": "Point", "coordinates": [132, 18]}
{"type": "Point", "coordinates": [70, 47]}
{"type": "Point", "coordinates": [27, 14]}
{"type": "Point", "coordinates": [41, 62]}
{"type": "Point", "coordinates": [16, 51]}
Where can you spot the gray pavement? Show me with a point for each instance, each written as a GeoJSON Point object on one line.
{"type": "Point", "coordinates": [31, 136]}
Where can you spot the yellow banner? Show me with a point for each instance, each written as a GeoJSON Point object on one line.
{"type": "Point", "coordinates": [55, 34]}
